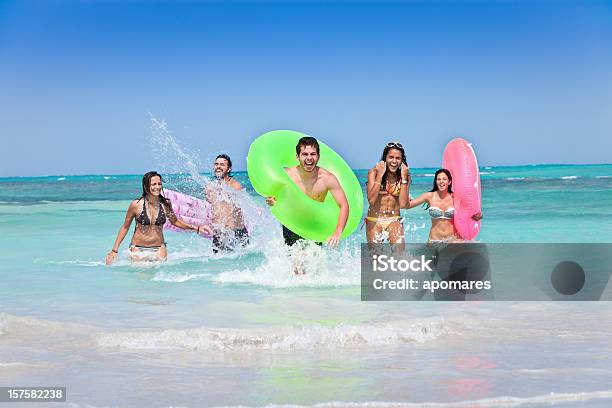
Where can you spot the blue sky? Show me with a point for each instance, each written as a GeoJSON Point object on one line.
{"type": "Point", "coordinates": [526, 81]}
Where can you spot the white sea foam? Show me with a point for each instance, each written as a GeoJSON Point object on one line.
{"type": "Point", "coordinates": [20, 364]}
{"type": "Point", "coordinates": [195, 250]}
{"type": "Point", "coordinates": [321, 268]}
{"type": "Point", "coordinates": [20, 327]}
{"type": "Point", "coordinates": [487, 172]}
{"type": "Point", "coordinates": [306, 337]}
{"type": "Point", "coordinates": [76, 262]}
{"type": "Point", "coordinates": [177, 277]}
{"type": "Point", "coordinates": [61, 178]}
{"type": "Point", "coordinates": [569, 177]}
{"type": "Point", "coordinates": [13, 364]}
{"type": "Point", "coordinates": [504, 401]}
{"type": "Point", "coordinates": [603, 177]}
{"type": "Point", "coordinates": [429, 174]}
{"type": "Point", "coordinates": [515, 178]}
{"type": "Point", "coordinates": [10, 324]}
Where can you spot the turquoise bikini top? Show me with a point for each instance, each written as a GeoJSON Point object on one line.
{"type": "Point", "coordinates": [437, 213]}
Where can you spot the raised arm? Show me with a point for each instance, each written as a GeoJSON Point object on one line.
{"type": "Point", "coordinates": [423, 198]}
{"type": "Point", "coordinates": [125, 227]}
{"type": "Point", "coordinates": [338, 193]}
{"type": "Point", "coordinates": [374, 181]}
{"type": "Point", "coordinates": [404, 196]}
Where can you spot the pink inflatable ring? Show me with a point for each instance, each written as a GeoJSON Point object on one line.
{"type": "Point", "coordinates": [459, 158]}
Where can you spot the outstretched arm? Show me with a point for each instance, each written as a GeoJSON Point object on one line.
{"type": "Point", "coordinates": [125, 227]}
{"type": "Point", "coordinates": [423, 198]}
{"type": "Point", "coordinates": [338, 193]}
{"type": "Point", "coordinates": [183, 225]}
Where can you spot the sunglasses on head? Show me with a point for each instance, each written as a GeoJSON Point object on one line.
{"type": "Point", "coordinates": [395, 144]}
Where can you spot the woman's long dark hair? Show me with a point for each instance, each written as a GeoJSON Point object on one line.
{"type": "Point", "coordinates": [435, 185]}
{"type": "Point", "coordinates": [450, 180]}
{"type": "Point", "coordinates": [398, 173]}
{"type": "Point", "coordinates": [146, 187]}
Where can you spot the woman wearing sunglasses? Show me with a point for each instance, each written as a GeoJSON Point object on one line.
{"type": "Point", "coordinates": [388, 191]}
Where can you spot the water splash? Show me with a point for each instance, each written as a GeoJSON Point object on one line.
{"type": "Point", "coordinates": [173, 158]}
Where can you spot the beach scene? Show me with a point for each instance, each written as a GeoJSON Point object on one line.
{"type": "Point", "coordinates": [193, 330]}
{"type": "Point", "coordinates": [209, 327]}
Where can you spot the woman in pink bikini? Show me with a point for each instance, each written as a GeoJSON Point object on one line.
{"type": "Point", "coordinates": [388, 191]}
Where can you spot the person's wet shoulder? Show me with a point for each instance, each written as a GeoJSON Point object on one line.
{"type": "Point", "coordinates": [236, 185]}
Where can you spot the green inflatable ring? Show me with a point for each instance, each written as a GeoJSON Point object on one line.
{"type": "Point", "coordinates": [269, 154]}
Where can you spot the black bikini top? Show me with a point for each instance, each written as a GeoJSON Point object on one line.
{"type": "Point", "coordinates": [143, 218]}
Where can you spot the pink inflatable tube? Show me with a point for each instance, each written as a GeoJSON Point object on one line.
{"type": "Point", "coordinates": [188, 209]}
{"type": "Point", "coordinates": [459, 158]}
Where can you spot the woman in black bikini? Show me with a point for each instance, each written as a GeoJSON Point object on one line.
{"type": "Point", "coordinates": [148, 239]}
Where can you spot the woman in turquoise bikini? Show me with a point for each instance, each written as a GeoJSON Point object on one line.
{"type": "Point", "coordinates": [150, 211]}
{"type": "Point", "coordinates": [439, 204]}
{"type": "Point", "coordinates": [388, 184]}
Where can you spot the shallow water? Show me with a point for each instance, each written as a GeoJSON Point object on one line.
{"type": "Point", "coordinates": [241, 329]}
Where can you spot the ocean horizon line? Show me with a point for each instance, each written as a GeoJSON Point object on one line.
{"type": "Point", "coordinates": [485, 166]}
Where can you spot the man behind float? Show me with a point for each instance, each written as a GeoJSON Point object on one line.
{"type": "Point", "coordinates": [315, 182]}
{"type": "Point", "coordinates": [229, 230]}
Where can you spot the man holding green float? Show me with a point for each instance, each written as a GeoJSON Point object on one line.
{"type": "Point", "coordinates": [315, 182]}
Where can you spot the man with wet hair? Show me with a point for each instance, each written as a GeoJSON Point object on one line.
{"type": "Point", "coordinates": [229, 230]}
{"type": "Point", "coordinates": [315, 182]}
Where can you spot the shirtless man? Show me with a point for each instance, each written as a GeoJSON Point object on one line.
{"type": "Point", "coordinates": [315, 182]}
{"type": "Point", "coordinates": [227, 220]}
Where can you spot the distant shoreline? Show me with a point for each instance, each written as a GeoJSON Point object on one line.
{"type": "Point", "coordinates": [482, 167]}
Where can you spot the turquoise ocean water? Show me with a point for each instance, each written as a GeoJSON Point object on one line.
{"type": "Point", "coordinates": [240, 329]}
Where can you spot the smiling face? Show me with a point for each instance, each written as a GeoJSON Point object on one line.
{"type": "Point", "coordinates": [155, 186]}
{"type": "Point", "coordinates": [442, 182]}
{"type": "Point", "coordinates": [308, 158]}
{"type": "Point", "coordinates": [221, 167]}
{"type": "Point", "coordinates": [393, 160]}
